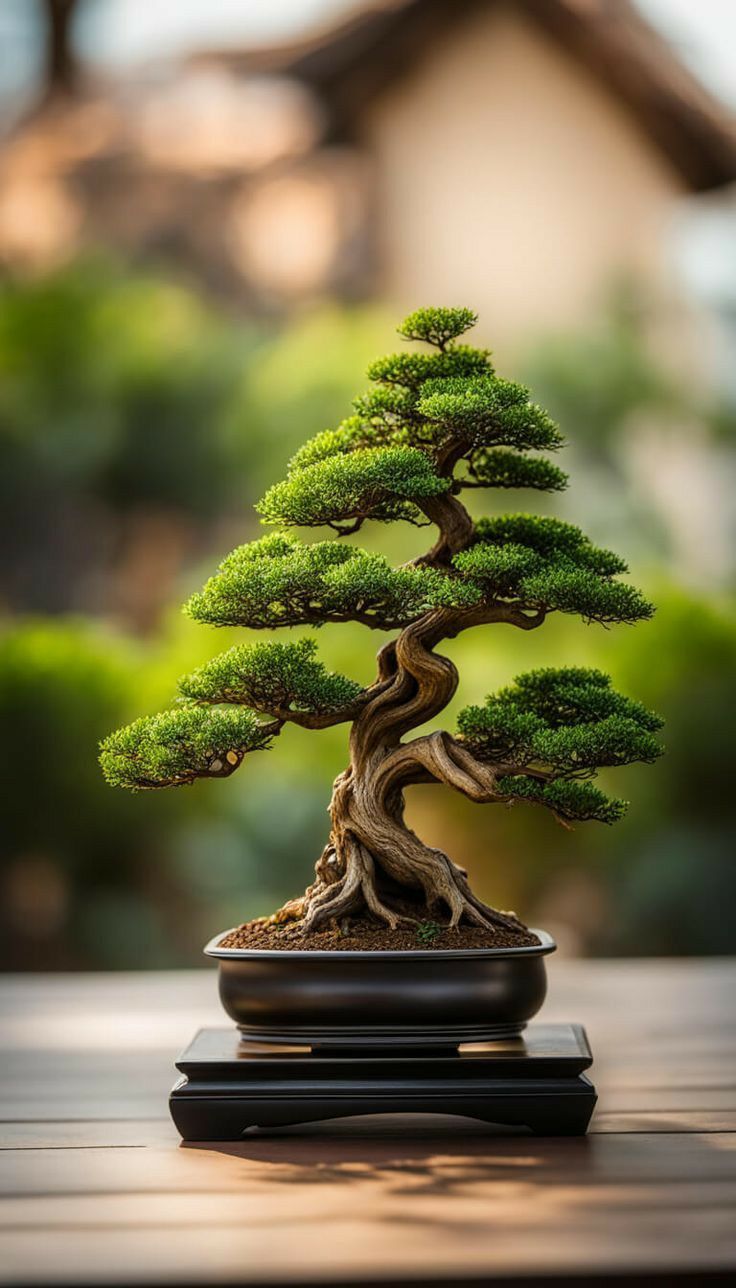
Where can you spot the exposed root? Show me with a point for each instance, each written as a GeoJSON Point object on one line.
{"type": "Point", "coordinates": [356, 891]}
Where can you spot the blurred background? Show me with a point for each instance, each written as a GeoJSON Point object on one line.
{"type": "Point", "coordinates": [212, 216]}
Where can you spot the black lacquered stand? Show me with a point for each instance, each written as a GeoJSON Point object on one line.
{"type": "Point", "coordinates": [535, 1081]}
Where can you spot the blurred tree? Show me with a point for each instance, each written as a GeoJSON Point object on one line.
{"type": "Point", "coordinates": [597, 379]}
{"type": "Point", "coordinates": [132, 416]}
{"type": "Point", "coordinates": [662, 436]}
{"type": "Point", "coordinates": [677, 885]}
{"type": "Point", "coordinates": [303, 375]}
{"type": "Point", "coordinates": [91, 880]}
{"type": "Point", "coordinates": [113, 394]}
{"type": "Point", "coordinates": [62, 848]}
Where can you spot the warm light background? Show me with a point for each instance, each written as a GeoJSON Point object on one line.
{"type": "Point", "coordinates": [204, 239]}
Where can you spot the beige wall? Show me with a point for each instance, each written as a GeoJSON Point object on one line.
{"type": "Point", "coordinates": [509, 180]}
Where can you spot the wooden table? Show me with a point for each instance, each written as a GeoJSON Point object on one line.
{"type": "Point", "coordinates": [97, 1188]}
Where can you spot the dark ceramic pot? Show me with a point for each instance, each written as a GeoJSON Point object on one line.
{"type": "Point", "coordinates": [403, 998]}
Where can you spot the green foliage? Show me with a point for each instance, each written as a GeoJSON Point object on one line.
{"type": "Point", "coordinates": [437, 326]}
{"type": "Point", "coordinates": [568, 718]}
{"type": "Point", "coordinates": [553, 539]}
{"type": "Point", "coordinates": [545, 563]}
{"type": "Point", "coordinates": [277, 581]}
{"type": "Point", "coordinates": [498, 467]}
{"type": "Point", "coordinates": [272, 582]}
{"type": "Point", "coordinates": [115, 386]}
{"type": "Point", "coordinates": [430, 401]}
{"type": "Point", "coordinates": [572, 801]}
{"type": "Point", "coordinates": [351, 435]}
{"type": "Point", "coordinates": [576, 590]}
{"type": "Point", "coordinates": [565, 724]}
{"type": "Point", "coordinates": [501, 569]}
{"type": "Point", "coordinates": [613, 740]}
{"type": "Point", "coordinates": [368, 584]}
{"type": "Point", "coordinates": [268, 677]}
{"type": "Point", "coordinates": [499, 732]}
{"type": "Point", "coordinates": [388, 407]}
{"type": "Point", "coordinates": [410, 370]}
{"type": "Point", "coordinates": [574, 695]}
{"type": "Point", "coordinates": [489, 412]}
{"type": "Point", "coordinates": [175, 747]}
{"type": "Point", "coordinates": [374, 483]}
{"type": "Point", "coordinates": [383, 417]}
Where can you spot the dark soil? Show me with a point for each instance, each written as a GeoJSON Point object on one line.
{"type": "Point", "coordinates": [362, 933]}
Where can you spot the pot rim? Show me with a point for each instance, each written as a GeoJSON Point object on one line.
{"type": "Point", "coordinates": [212, 949]}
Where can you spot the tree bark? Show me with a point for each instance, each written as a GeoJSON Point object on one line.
{"type": "Point", "coordinates": [373, 861]}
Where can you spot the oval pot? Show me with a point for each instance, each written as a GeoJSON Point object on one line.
{"type": "Point", "coordinates": [400, 998]}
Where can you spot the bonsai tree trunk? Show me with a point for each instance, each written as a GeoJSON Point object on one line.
{"type": "Point", "coordinates": [372, 858]}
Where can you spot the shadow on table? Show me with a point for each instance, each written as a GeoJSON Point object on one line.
{"type": "Point", "coordinates": [416, 1152]}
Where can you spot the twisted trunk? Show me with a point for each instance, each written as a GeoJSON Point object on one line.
{"type": "Point", "coordinates": [373, 863]}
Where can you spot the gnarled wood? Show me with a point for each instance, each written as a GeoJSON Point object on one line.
{"type": "Point", "coordinates": [371, 853]}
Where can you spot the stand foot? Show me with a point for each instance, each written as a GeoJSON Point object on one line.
{"type": "Point", "coordinates": [534, 1082]}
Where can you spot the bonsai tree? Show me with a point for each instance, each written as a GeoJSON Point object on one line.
{"type": "Point", "coordinates": [435, 425]}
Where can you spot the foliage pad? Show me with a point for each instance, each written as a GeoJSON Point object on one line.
{"type": "Point", "coordinates": [377, 483]}
{"type": "Point", "coordinates": [564, 724]}
{"type": "Point", "coordinates": [175, 747]}
{"type": "Point", "coordinates": [280, 582]}
{"type": "Point", "coordinates": [268, 677]}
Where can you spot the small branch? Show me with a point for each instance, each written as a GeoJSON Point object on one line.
{"type": "Point", "coordinates": [374, 621]}
{"type": "Point", "coordinates": [326, 719]}
{"type": "Point", "coordinates": [348, 529]}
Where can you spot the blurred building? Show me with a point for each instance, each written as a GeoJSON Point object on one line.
{"type": "Point", "coordinates": [520, 155]}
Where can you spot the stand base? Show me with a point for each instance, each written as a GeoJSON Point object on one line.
{"type": "Point", "coordinates": [535, 1081]}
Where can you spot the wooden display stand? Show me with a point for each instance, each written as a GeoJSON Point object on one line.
{"type": "Point", "coordinates": [536, 1081]}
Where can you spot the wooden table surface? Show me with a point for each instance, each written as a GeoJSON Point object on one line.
{"type": "Point", "coordinates": [97, 1188]}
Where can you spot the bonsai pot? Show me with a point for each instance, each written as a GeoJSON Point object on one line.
{"type": "Point", "coordinates": [402, 998]}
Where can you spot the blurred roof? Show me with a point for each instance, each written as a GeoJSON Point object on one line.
{"type": "Point", "coordinates": [351, 61]}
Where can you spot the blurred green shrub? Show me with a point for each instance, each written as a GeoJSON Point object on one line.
{"type": "Point", "coordinates": [111, 396]}
{"type": "Point", "coordinates": [65, 848]}
{"type": "Point", "coordinates": [594, 380]}
{"type": "Point", "coordinates": [109, 387]}
{"type": "Point", "coordinates": [94, 878]}
{"type": "Point", "coordinates": [662, 880]}
{"type": "Point", "coordinates": [125, 396]}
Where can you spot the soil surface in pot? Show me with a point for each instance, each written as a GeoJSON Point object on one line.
{"type": "Point", "coordinates": [362, 933]}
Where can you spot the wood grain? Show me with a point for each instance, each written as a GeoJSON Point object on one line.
{"type": "Point", "coordinates": [96, 1188]}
